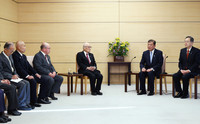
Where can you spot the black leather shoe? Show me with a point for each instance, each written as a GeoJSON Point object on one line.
{"type": "Point", "coordinates": [31, 106]}
{"type": "Point", "coordinates": [142, 93]}
{"type": "Point", "coordinates": [46, 99]}
{"type": "Point", "coordinates": [53, 97]}
{"type": "Point", "coordinates": [6, 118]}
{"type": "Point", "coordinates": [42, 101]}
{"type": "Point", "coordinates": [2, 120]}
{"type": "Point", "coordinates": [94, 93]}
{"type": "Point", "coordinates": [99, 93]}
{"type": "Point", "coordinates": [150, 94]}
{"type": "Point", "coordinates": [184, 96]}
{"type": "Point", "coordinates": [35, 104]}
{"type": "Point", "coordinates": [14, 112]}
{"type": "Point", "coordinates": [179, 95]}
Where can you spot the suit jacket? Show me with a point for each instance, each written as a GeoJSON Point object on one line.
{"type": "Point", "coordinates": [40, 64]}
{"type": "Point", "coordinates": [5, 67]}
{"type": "Point", "coordinates": [157, 61]}
{"type": "Point", "coordinates": [22, 65]}
{"type": "Point", "coordinates": [192, 62]}
{"type": "Point", "coordinates": [83, 62]}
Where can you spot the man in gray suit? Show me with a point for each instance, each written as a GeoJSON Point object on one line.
{"type": "Point", "coordinates": [10, 91]}
{"type": "Point", "coordinates": [44, 67]}
{"type": "Point", "coordinates": [9, 72]}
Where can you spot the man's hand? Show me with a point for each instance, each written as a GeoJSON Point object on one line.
{"type": "Point", "coordinates": [52, 74]}
{"type": "Point", "coordinates": [37, 75]}
{"type": "Point", "coordinates": [15, 77]}
{"type": "Point", "coordinates": [144, 70]}
{"type": "Point", "coordinates": [148, 70]}
{"type": "Point", "coordinates": [30, 77]}
{"type": "Point", "coordinates": [5, 82]}
{"type": "Point", "coordinates": [185, 72]}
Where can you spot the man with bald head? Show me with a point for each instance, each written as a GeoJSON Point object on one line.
{"type": "Point", "coordinates": [42, 64]}
{"type": "Point", "coordinates": [26, 71]}
{"type": "Point", "coordinates": [87, 66]}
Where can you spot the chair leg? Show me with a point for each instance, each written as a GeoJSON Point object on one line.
{"type": "Point", "coordinates": [190, 84]}
{"type": "Point", "coordinates": [165, 81]}
{"type": "Point", "coordinates": [37, 87]}
{"type": "Point", "coordinates": [155, 83]}
{"type": "Point", "coordinates": [5, 99]}
{"type": "Point", "coordinates": [85, 85]}
{"type": "Point", "coordinates": [76, 84]}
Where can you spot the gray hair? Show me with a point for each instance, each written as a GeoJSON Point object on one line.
{"type": "Point", "coordinates": [8, 44]}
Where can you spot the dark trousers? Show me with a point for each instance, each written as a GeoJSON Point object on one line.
{"type": "Point", "coordinates": [94, 75]}
{"type": "Point", "coordinates": [2, 104]}
{"type": "Point", "coordinates": [33, 86]}
{"type": "Point", "coordinates": [185, 78]}
{"type": "Point", "coordinates": [10, 91]}
{"type": "Point", "coordinates": [53, 84]}
{"type": "Point", "coordinates": [151, 77]}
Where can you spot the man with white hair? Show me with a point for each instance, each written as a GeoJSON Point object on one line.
{"type": "Point", "coordinates": [42, 64]}
{"type": "Point", "coordinates": [88, 67]}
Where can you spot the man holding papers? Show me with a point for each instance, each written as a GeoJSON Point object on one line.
{"type": "Point", "coordinates": [9, 72]}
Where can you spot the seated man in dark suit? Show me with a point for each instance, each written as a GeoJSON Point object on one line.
{"type": "Point", "coordinates": [26, 71]}
{"type": "Point", "coordinates": [10, 91]}
{"type": "Point", "coordinates": [42, 64]}
{"type": "Point", "coordinates": [3, 117]}
{"type": "Point", "coordinates": [8, 71]}
{"type": "Point", "coordinates": [188, 67]}
{"type": "Point", "coordinates": [150, 65]}
{"type": "Point", "coordinates": [87, 66]}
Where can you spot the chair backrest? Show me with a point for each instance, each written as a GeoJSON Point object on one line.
{"type": "Point", "coordinates": [164, 63]}
{"type": "Point", "coordinates": [30, 60]}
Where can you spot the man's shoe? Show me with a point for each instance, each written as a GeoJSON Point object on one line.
{"type": "Point", "coordinates": [179, 95]}
{"type": "Point", "coordinates": [14, 112]}
{"type": "Point", "coordinates": [24, 108]}
{"type": "Point", "coordinates": [184, 96]}
{"type": "Point", "coordinates": [2, 120]}
{"type": "Point", "coordinates": [31, 106]}
{"type": "Point", "coordinates": [42, 101]}
{"type": "Point", "coordinates": [142, 93]}
{"type": "Point", "coordinates": [94, 93]}
{"type": "Point", "coordinates": [35, 104]}
{"type": "Point", "coordinates": [6, 118]}
{"type": "Point", "coordinates": [150, 94]}
{"type": "Point", "coordinates": [46, 99]}
{"type": "Point", "coordinates": [99, 93]}
{"type": "Point", "coordinates": [53, 97]}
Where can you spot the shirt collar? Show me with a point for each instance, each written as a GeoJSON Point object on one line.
{"type": "Point", "coordinates": [152, 51]}
{"type": "Point", "coordinates": [20, 53]}
{"type": "Point", "coordinates": [189, 49]}
{"type": "Point", "coordinates": [5, 55]}
{"type": "Point", "coordinates": [85, 53]}
{"type": "Point", "coordinates": [43, 53]}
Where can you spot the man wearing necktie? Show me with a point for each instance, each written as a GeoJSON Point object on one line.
{"type": "Point", "coordinates": [26, 71]}
{"type": "Point", "coordinates": [8, 71]}
{"type": "Point", "coordinates": [150, 66]}
{"type": "Point", "coordinates": [87, 66]}
{"type": "Point", "coordinates": [42, 64]}
{"type": "Point", "coordinates": [188, 67]}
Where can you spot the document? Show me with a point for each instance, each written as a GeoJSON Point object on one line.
{"type": "Point", "coordinates": [16, 80]}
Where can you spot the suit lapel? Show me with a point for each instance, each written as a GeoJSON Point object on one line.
{"type": "Point", "coordinates": [148, 57]}
{"type": "Point", "coordinates": [6, 61]}
{"type": "Point", "coordinates": [153, 56]}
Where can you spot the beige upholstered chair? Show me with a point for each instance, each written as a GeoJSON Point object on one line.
{"type": "Point", "coordinates": [30, 60]}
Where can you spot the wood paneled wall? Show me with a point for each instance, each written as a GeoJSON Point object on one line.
{"type": "Point", "coordinates": [67, 24]}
